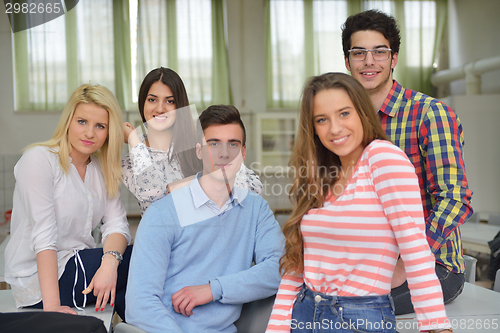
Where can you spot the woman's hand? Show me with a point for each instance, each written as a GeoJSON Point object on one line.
{"type": "Point", "coordinates": [104, 282]}
{"type": "Point", "coordinates": [60, 308]}
{"type": "Point", "coordinates": [130, 134]}
{"type": "Point", "coordinates": [178, 184]}
{"type": "Point", "coordinates": [127, 130]}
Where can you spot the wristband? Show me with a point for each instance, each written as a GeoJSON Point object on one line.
{"type": "Point", "coordinates": [117, 255]}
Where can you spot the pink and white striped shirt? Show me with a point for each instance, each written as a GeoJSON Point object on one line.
{"type": "Point", "coordinates": [352, 243]}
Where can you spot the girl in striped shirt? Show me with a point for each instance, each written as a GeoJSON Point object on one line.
{"type": "Point", "coordinates": [357, 207]}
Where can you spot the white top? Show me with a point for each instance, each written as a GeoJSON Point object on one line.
{"type": "Point", "coordinates": [147, 172]}
{"type": "Point", "coordinates": [56, 211]}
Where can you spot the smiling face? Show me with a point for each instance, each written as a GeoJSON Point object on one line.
{"type": "Point", "coordinates": [222, 150]}
{"type": "Point", "coordinates": [374, 75]}
{"type": "Point", "coordinates": [337, 125]}
{"type": "Point", "coordinates": [159, 107]}
{"type": "Point", "coordinates": [88, 130]}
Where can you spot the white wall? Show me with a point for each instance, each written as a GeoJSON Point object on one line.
{"type": "Point", "coordinates": [247, 56]}
{"type": "Point", "coordinates": [474, 34]}
{"type": "Point", "coordinates": [247, 61]}
{"type": "Point", "coordinates": [480, 117]}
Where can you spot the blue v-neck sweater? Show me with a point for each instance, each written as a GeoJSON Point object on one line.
{"type": "Point", "coordinates": [170, 254]}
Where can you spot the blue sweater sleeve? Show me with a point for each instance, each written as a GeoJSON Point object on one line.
{"type": "Point", "coordinates": [262, 279]}
{"type": "Point", "coordinates": [147, 275]}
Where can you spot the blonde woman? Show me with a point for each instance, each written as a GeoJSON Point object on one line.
{"type": "Point", "coordinates": [64, 187]}
{"type": "Point", "coordinates": [357, 208]}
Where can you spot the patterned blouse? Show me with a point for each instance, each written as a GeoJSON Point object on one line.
{"type": "Point", "coordinates": [147, 172]}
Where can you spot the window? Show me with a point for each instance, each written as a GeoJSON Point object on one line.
{"type": "Point", "coordinates": [116, 46]}
{"type": "Point", "coordinates": [52, 59]}
{"type": "Point", "coordinates": [190, 54]}
{"type": "Point", "coordinates": [304, 39]}
{"type": "Point", "coordinates": [287, 49]}
{"type": "Point", "coordinates": [420, 23]}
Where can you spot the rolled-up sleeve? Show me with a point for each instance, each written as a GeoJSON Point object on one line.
{"type": "Point", "coordinates": [35, 175]}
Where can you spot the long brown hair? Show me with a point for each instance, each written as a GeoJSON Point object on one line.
{"type": "Point", "coordinates": [311, 161]}
{"type": "Point", "coordinates": [184, 133]}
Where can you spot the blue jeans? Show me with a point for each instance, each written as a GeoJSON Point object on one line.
{"type": "Point", "coordinates": [315, 312]}
{"type": "Point", "coordinates": [452, 285]}
{"type": "Point", "coordinates": [91, 259]}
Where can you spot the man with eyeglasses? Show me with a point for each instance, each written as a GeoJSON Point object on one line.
{"type": "Point", "coordinates": [429, 132]}
{"type": "Point", "coordinates": [207, 247]}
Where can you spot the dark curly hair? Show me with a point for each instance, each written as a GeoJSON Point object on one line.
{"type": "Point", "coordinates": [371, 20]}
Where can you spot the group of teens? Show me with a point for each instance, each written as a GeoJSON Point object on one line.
{"type": "Point", "coordinates": [371, 241]}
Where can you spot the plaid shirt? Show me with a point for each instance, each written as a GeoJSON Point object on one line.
{"type": "Point", "coordinates": [430, 133]}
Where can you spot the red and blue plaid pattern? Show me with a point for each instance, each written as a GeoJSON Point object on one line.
{"type": "Point", "coordinates": [430, 133]}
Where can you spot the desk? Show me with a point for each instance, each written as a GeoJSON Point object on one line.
{"type": "Point", "coordinates": [475, 236]}
{"type": "Point", "coordinates": [8, 304]}
{"type": "Point", "coordinates": [474, 309]}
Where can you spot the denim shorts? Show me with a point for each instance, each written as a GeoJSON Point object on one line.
{"type": "Point", "coordinates": [315, 312]}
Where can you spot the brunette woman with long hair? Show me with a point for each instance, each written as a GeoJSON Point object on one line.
{"type": "Point", "coordinates": [356, 209]}
{"type": "Point", "coordinates": [166, 153]}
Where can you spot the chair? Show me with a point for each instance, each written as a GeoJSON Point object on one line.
{"type": "Point", "coordinates": [255, 316]}
{"type": "Point", "coordinates": [253, 319]}
{"type": "Point", "coordinates": [494, 219]}
{"type": "Point", "coordinates": [470, 269]}
{"type": "Point", "coordinates": [496, 286]}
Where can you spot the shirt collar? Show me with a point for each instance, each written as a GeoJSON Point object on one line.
{"type": "Point", "coordinates": [200, 197]}
{"type": "Point", "coordinates": [91, 159]}
{"type": "Point", "coordinates": [394, 97]}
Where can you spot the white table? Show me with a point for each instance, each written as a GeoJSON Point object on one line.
{"type": "Point", "coordinates": [474, 309]}
{"type": "Point", "coordinates": [7, 304]}
{"type": "Point", "coordinates": [475, 236]}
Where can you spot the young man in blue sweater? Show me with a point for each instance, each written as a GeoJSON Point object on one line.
{"type": "Point", "coordinates": [191, 268]}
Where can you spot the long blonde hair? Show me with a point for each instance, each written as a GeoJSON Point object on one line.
{"type": "Point", "coordinates": [109, 155]}
{"type": "Point", "coordinates": [311, 161]}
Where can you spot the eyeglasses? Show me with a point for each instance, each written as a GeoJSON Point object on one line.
{"type": "Point", "coordinates": [377, 54]}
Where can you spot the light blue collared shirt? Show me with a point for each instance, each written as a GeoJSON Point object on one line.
{"type": "Point", "coordinates": [201, 207]}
